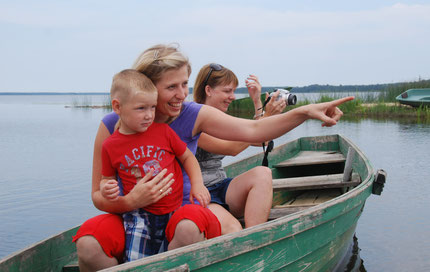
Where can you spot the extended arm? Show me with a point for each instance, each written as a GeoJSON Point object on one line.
{"type": "Point", "coordinates": [219, 146]}
{"type": "Point", "coordinates": [221, 125]}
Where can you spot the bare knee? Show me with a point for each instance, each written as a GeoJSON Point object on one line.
{"type": "Point", "coordinates": [263, 172]}
{"type": "Point", "coordinates": [263, 176]}
{"type": "Point", "coordinates": [91, 255]}
{"type": "Point", "coordinates": [87, 247]}
{"type": "Point", "coordinates": [231, 226]}
{"type": "Point", "coordinates": [186, 233]}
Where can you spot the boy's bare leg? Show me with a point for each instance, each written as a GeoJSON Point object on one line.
{"type": "Point", "coordinates": [91, 256]}
{"type": "Point", "coordinates": [186, 233]}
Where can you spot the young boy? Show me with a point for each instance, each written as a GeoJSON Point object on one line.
{"type": "Point", "coordinates": [138, 147]}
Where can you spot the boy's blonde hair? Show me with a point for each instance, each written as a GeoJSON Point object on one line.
{"type": "Point", "coordinates": [128, 82]}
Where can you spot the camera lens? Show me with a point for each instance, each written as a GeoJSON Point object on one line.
{"type": "Point", "coordinates": [291, 99]}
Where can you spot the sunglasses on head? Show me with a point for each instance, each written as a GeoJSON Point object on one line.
{"type": "Point", "coordinates": [213, 66]}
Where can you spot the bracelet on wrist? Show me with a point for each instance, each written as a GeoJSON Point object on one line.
{"type": "Point", "coordinates": [258, 115]}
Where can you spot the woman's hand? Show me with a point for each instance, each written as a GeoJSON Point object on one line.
{"type": "Point", "coordinates": [254, 88]}
{"type": "Point", "coordinates": [327, 112]}
{"type": "Point", "coordinates": [201, 193]}
{"type": "Point", "coordinates": [274, 106]}
{"type": "Point", "coordinates": [149, 190]}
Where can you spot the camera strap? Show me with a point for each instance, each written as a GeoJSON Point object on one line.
{"type": "Point", "coordinates": [265, 103]}
{"type": "Point", "coordinates": [266, 152]}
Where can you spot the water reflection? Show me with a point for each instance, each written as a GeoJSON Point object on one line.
{"type": "Point", "coordinates": [352, 261]}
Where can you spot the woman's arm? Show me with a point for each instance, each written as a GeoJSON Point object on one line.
{"type": "Point", "coordinates": [222, 147]}
{"type": "Point", "coordinates": [144, 193]}
{"type": "Point", "coordinates": [233, 148]}
{"type": "Point", "coordinates": [223, 126]}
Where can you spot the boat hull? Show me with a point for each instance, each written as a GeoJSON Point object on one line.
{"type": "Point", "coordinates": [415, 97]}
{"type": "Point", "coordinates": [314, 239]}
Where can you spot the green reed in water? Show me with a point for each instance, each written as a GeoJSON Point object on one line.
{"type": "Point", "coordinates": [364, 108]}
{"type": "Point", "coordinates": [85, 101]}
{"type": "Point", "coordinates": [393, 90]}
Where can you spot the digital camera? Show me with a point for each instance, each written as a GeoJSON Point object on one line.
{"type": "Point", "coordinates": [290, 99]}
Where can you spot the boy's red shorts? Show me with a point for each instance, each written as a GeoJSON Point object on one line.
{"type": "Point", "coordinates": [205, 220]}
{"type": "Point", "coordinates": [108, 229]}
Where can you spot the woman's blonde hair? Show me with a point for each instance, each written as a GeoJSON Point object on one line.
{"type": "Point", "coordinates": [155, 61]}
{"type": "Point", "coordinates": [222, 77]}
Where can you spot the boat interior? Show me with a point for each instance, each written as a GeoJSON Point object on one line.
{"type": "Point", "coordinates": [310, 178]}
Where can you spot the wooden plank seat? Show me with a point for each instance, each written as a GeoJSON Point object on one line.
{"type": "Point", "coordinates": [303, 201]}
{"type": "Point", "coordinates": [315, 182]}
{"type": "Point", "coordinates": [312, 157]}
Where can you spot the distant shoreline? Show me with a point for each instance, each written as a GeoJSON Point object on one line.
{"type": "Point", "coordinates": [314, 88]}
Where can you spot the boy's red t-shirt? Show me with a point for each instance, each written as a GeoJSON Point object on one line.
{"type": "Point", "coordinates": [131, 156]}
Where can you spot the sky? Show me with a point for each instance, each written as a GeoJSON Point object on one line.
{"type": "Point", "coordinates": [77, 46]}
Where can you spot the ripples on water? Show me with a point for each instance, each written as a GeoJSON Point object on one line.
{"type": "Point", "coordinates": [46, 154]}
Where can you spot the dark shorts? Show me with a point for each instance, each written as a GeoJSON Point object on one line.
{"type": "Point", "coordinates": [218, 192]}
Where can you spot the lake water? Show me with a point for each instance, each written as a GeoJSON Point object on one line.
{"type": "Point", "coordinates": [46, 154]}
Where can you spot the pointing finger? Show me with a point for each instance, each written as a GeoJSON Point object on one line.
{"type": "Point", "coordinates": [339, 101]}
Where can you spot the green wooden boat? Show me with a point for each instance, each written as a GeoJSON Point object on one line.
{"type": "Point", "coordinates": [320, 188]}
{"type": "Point", "coordinates": [415, 97]}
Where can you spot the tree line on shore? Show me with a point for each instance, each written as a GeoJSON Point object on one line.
{"type": "Point", "coordinates": [316, 88]}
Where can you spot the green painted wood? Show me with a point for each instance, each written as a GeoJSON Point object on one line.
{"type": "Point", "coordinates": [313, 239]}
{"type": "Point", "coordinates": [48, 255]}
{"type": "Point", "coordinates": [415, 97]}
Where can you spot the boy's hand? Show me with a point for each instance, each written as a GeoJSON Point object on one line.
{"type": "Point", "coordinates": [201, 193]}
{"type": "Point", "coordinates": [109, 189]}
